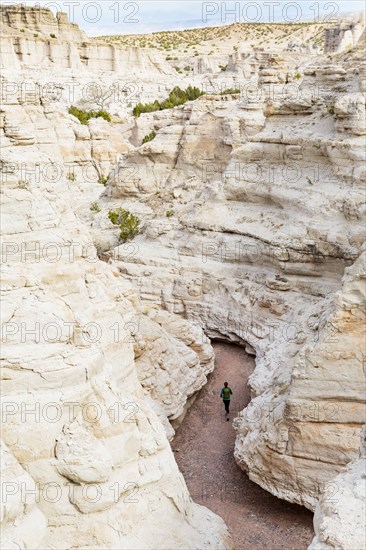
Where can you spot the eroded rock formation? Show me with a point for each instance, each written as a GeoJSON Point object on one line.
{"type": "Point", "coordinates": [340, 514]}
{"type": "Point", "coordinates": [87, 462]}
{"type": "Point", "coordinates": [252, 211]}
{"type": "Point", "coordinates": [74, 411]}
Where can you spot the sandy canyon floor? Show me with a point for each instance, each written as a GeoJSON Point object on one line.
{"type": "Point", "coordinates": [203, 448]}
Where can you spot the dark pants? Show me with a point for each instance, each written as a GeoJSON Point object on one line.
{"type": "Point", "coordinates": [227, 405]}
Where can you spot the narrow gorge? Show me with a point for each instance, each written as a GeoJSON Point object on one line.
{"type": "Point", "coordinates": [203, 448]}
{"type": "Point", "coordinates": [178, 207]}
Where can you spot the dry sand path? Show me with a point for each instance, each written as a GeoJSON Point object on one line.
{"type": "Point", "coordinates": [205, 443]}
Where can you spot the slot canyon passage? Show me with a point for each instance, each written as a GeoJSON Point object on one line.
{"type": "Point", "coordinates": [164, 196]}
{"type": "Point", "coordinates": [204, 450]}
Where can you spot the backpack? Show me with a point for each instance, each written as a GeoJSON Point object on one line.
{"type": "Point", "coordinates": [226, 393]}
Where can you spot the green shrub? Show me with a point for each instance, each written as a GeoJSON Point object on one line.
{"type": "Point", "coordinates": [103, 180]}
{"type": "Point", "coordinates": [223, 67]}
{"type": "Point", "coordinates": [94, 207]}
{"type": "Point", "coordinates": [35, 35]}
{"type": "Point", "coordinates": [297, 76]}
{"type": "Point", "coordinates": [85, 116]}
{"type": "Point", "coordinates": [22, 30]}
{"type": "Point", "coordinates": [128, 224]}
{"type": "Point", "coordinates": [149, 137]}
{"type": "Point", "coordinates": [169, 213]}
{"type": "Point", "coordinates": [176, 97]}
{"type": "Point", "coordinates": [330, 108]}
{"type": "Point", "coordinates": [71, 176]}
{"type": "Point", "coordinates": [53, 35]}
{"type": "Point", "coordinates": [231, 91]}
{"type": "Point", "coordinates": [187, 68]}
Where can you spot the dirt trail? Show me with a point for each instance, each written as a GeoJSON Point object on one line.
{"type": "Point", "coordinates": [204, 451]}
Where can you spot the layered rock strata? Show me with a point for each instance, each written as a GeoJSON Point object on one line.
{"type": "Point", "coordinates": [340, 514]}
{"type": "Point", "coordinates": [252, 229]}
{"type": "Point", "coordinates": [86, 461]}
{"type": "Point", "coordinates": [253, 209]}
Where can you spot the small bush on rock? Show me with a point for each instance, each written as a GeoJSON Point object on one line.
{"type": "Point", "coordinates": [149, 137]}
{"type": "Point", "coordinates": [94, 207]}
{"type": "Point", "coordinates": [128, 224]}
{"type": "Point", "coordinates": [229, 91]}
{"type": "Point", "coordinates": [85, 116]}
{"type": "Point", "coordinates": [103, 180]}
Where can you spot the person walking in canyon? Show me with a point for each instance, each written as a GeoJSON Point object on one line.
{"type": "Point", "coordinates": [226, 394]}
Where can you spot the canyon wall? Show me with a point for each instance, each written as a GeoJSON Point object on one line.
{"type": "Point", "coordinates": [347, 34]}
{"type": "Point", "coordinates": [17, 19]}
{"type": "Point", "coordinates": [340, 514]}
{"type": "Point", "coordinates": [252, 231]}
{"type": "Point", "coordinates": [253, 211]}
{"type": "Point", "coordinates": [89, 374]}
{"type": "Point", "coordinates": [37, 38]}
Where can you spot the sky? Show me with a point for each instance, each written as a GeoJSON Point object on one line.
{"type": "Point", "coordinates": [141, 16]}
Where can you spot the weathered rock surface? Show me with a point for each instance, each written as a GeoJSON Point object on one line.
{"type": "Point", "coordinates": [340, 514]}
{"type": "Point", "coordinates": [21, 518]}
{"type": "Point", "coordinates": [74, 413]}
{"type": "Point", "coordinates": [18, 18]}
{"type": "Point", "coordinates": [37, 38]}
{"type": "Point", "coordinates": [78, 426]}
{"type": "Point", "coordinates": [312, 425]}
{"type": "Point", "coordinates": [347, 34]}
{"type": "Point", "coordinates": [252, 210]}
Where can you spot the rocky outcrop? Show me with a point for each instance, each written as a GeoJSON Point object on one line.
{"type": "Point", "coordinates": [20, 19]}
{"type": "Point", "coordinates": [79, 428]}
{"type": "Point", "coordinates": [34, 37]}
{"type": "Point", "coordinates": [102, 449]}
{"type": "Point", "coordinates": [252, 229]}
{"type": "Point", "coordinates": [21, 518]}
{"type": "Point", "coordinates": [347, 34]}
{"type": "Point", "coordinates": [339, 520]}
{"type": "Point", "coordinates": [350, 114]}
{"type": "Point", "coordinates": [173, 358]}
{"type": "Point", "coordinates": [41, 141]}
{"type": "Point", "coordinates": [22, 52]}
{"type": "Point", "coordinates": [312, 425]}
{"type": "Point", "coordinates": [239, 199]}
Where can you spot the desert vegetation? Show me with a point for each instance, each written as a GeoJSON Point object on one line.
{"type": "Point", "coordinates": [85, 116]}
{"type": "Point", "coordinates": [149, 137]}
{"type": "Point", "coordinates": [128, 223]}
{"type": "Point", "coordinates": [230, 91]}
{"type": "Point", "coordinates": [94, 207]}
{"type": "Point", "coordinates": [213, 39]}
{"type": "Point", "coordinates": [176, 97]}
